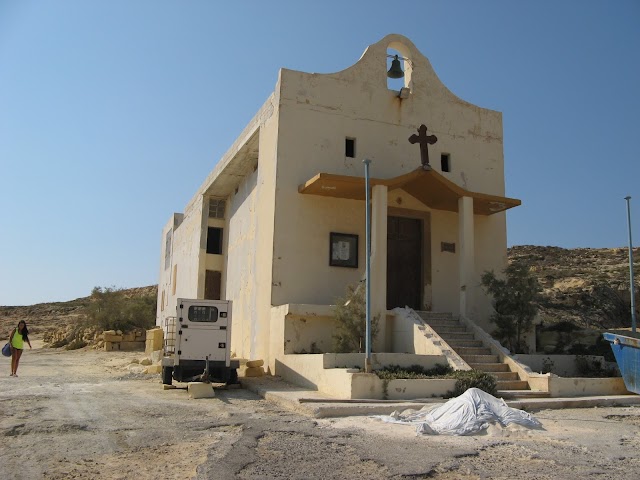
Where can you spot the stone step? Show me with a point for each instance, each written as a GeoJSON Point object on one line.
{"type": "Point", "coordinates": [450, 329]}
{"type": "Point", "coordinates": [490, 367]}
{"type": "Point", "coordinates": [443, 323]}
{"type": "Point", "coordinates": [522, 394]}
{"type": "Point", "coordinates": [513, 385]}
{"type": "Point", "coordinates": [505, 376]}
{"type": "Point", "coordinates": [456, 344]}
{"type": "Point", "coordinates": [472, 359]}
{"type": "Point", "coordinates": [462, 351]}
{"type": "Point", "coordinates": [455, 336]}
{"type": "Point", "coordinates": [425, 314]}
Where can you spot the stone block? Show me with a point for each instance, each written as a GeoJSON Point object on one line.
{"type": "Point", "coordinates": [169, 387]}
{"type": "Point", "coordinates": [200, 390]}
{"type": "Point", "coordinates": [111, 346]}
{"type": "Point", "coordinates": [108, 337]}
{"type": "Point", "coordinates": [145, 361]}
{"type": "Point", "coordinates": [156, 356]}
{"type": "Point", "coordinates": [254, 363]}
{"type": "Point", "coordinates": [129, 337]}
{"type": "Point", "coordinates": [154, 339]}
{"type": "Point", "coordinates": [254, 372]}
{"type": "Point", "coordinates": [131, 346]}
{"type": "Point", "coordinates": [153, 369]}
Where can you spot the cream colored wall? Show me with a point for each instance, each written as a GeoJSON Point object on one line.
{"type": "Point", "coordinates": [490, 254]}
{"type": "Point", "coordinates": [250, 252]}
{"type": "Point", "coordinates": [445, 269]}
{"type": "Point", "coordinates": [164, 279]}
{"type": "Point", "coordinates": [186, 256]}
{"type": "Point", "coordinates": [317, 112]}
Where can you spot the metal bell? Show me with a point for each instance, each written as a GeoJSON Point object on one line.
{"type": "Point", "coordinates": [396, 70]}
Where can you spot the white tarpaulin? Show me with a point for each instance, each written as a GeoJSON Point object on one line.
{"type": "Point", "coordinates": [470, 413]}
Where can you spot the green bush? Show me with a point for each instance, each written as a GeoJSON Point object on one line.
{"type": "Point", "coordinates": [474, 379]}
{"type": "Point", "coordinates": [350, 316]}
{"type": "Point", "coordinates": [465, 378]}
{"type": "Point", "coordinates": [515, 298]}
{"type": "Point", "coordinates": [393, 372]}
{"type": "Point", "coordinates": [111, 309]}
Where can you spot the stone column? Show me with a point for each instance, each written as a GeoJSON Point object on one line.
{"type": "Point", "coordinates": [466, 253]}
{"type": "Point", "coordinates": [379, 263]}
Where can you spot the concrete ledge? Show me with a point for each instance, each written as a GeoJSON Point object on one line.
{"type": "Point", "coordinates": [316, 405]}
{"type": "Point", "coordinates": [576, 402]}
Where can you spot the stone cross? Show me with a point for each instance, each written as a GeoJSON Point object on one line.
{"type": "Point", "coordinates": [424, 140]}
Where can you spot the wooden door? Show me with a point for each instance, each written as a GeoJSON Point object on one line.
{"type": "Point", "coordinates": [212, 284]}
{"type": "Point", "coordinates": [404, 262]}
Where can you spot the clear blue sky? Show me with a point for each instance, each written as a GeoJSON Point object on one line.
{"type": "Point", "coordinates": [112, 113]}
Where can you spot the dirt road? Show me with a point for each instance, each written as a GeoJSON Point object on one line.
{"type": "Point", "coordinates": [81, 414]}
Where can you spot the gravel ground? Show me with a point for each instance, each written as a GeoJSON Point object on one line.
{"type": "Point", "coordinates": [82, 414]}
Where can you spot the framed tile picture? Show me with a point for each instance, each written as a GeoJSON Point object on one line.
{"type": "Point", "coordinates": [343, 251]}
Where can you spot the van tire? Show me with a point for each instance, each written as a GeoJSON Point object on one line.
{"type": "Point", "coordinates": [167, 375]}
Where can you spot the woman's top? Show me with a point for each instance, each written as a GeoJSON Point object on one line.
{"type": "Point", "coordinates": [17, 341]}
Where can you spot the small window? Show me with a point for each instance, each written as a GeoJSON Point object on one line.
{"type": "Point", "coordinates": [445, 163]}
{"type": "Point", "coordinates": [447, 247]}
{"type": "Point", "coordinates": [216, 208]}
{"type": "Point", "coordinates": [200, 313]}
{"type": "Point", "coordinates": [350, 148]}
{"type": "Point", "coordinates": [214, 240]}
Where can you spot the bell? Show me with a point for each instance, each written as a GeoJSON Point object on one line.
{"type": "Point", "coordinates": [395, 71]}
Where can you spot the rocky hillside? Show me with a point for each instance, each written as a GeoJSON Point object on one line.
{"type": "Point", "coordinates": [587, 287]}
{"type": "Point", "coordinates": [46, 317]}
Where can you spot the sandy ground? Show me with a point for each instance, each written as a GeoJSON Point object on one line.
{"type": "Point", "coordinates": [82, 414]}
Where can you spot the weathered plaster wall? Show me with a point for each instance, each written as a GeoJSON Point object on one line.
{"type": "Point", "coordinates": [182, 278]}
{"type": "Point", "coordinates": [250, 251]}
{"type": "Point", "coordinates": [164, 280]}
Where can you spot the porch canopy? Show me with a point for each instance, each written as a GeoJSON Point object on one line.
{"type": "Point", "coordinates": [428, 186]}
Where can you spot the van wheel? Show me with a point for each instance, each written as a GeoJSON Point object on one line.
{"type": "Point", "coordinates": [167, 375]}
{"type": "Point", "coordinates": [233, 377]}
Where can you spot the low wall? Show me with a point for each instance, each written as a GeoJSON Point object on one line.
{"type": "Point", "coordinates": [116, 340]}
{"type": "Point", "coordinates": [308, 371]}
{"type": "Point", "coordinates": [306, 328]}
{"type": "Point", "coordinates": [586, 387]}
{"type": "Point", "coordinates": [369, 386]}
{"type": "Point", "coordinates": [333, 375]}
{"type": "Point", "coordinates": [562, 365]}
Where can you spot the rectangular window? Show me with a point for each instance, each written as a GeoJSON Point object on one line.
{"type": "Point", "coordinates": [167, 250]}
{"type": "Point", "coordinates": [216, 208]}
{"type": "Point", "coordinates": [445, 162]}
{"type": "Point", "coordinates": [214, 240]}
{"type": "Point", "coordinates": [201, 313]}
{"type": "Point", "coordinates": [350, 147]}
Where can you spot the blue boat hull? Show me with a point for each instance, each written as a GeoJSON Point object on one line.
{"type": "Point", "coordinates": [627, 352]}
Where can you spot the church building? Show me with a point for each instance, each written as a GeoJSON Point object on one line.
{"type": "Point", "coordinates": [278, 226]}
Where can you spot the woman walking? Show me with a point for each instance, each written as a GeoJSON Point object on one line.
{"type": "Point", "coordinates": [17, 339]}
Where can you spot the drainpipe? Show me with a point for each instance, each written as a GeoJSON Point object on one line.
{"type": "Point", "coordinates": [631, 288]}
{"type": "Point", "coordinates": [367, 360]}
